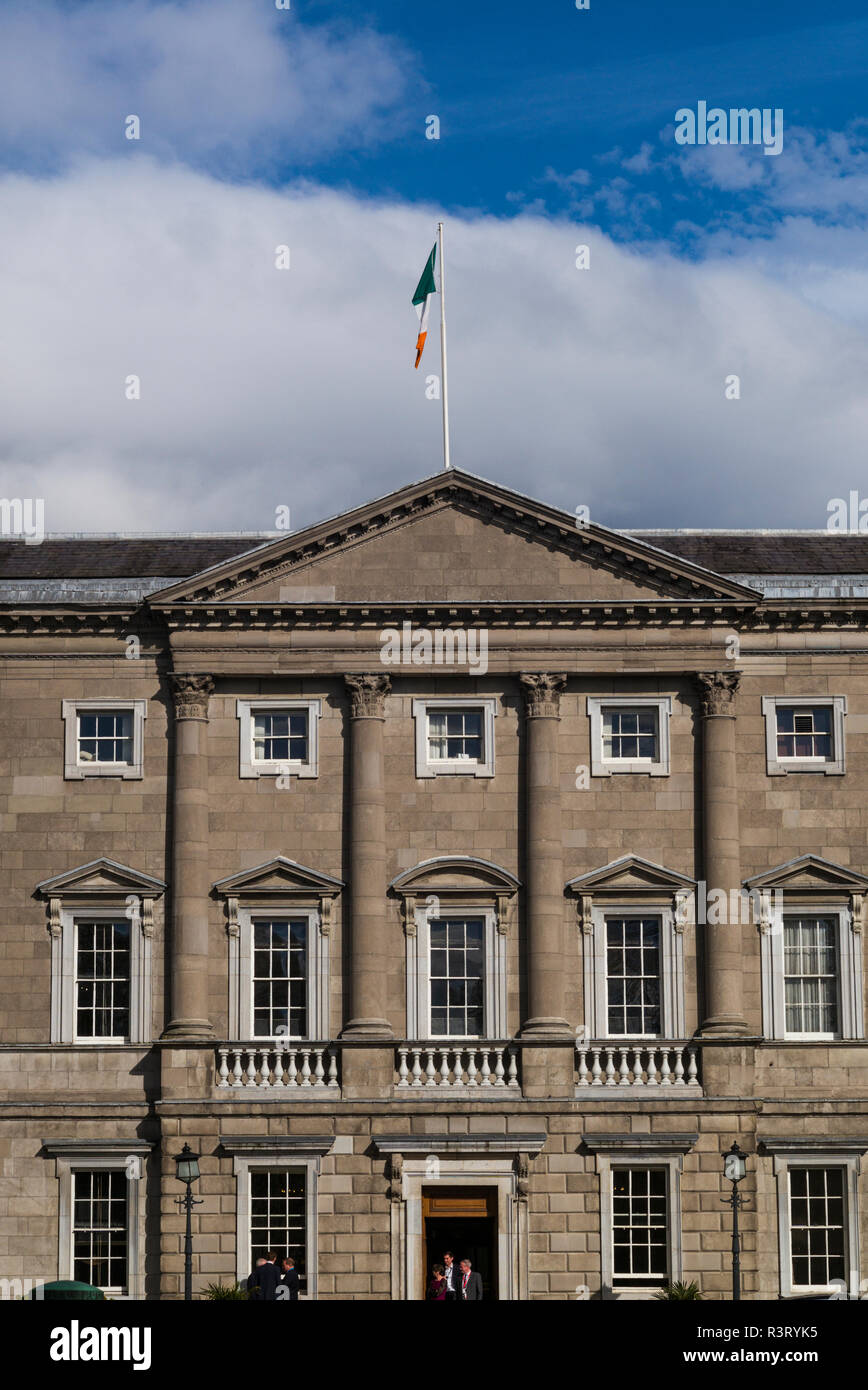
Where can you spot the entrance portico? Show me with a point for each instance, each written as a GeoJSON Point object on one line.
{"type": "Point", "coordinates": [492, 1167]}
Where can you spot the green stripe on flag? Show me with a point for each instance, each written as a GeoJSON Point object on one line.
{"type": "Point", "coordinates": [426, 285]}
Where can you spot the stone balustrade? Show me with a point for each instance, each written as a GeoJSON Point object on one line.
{"type": "Point", "coordinates": [277, 1066]}
{"type": "Point", "coordinates": [666, 1066]}
{"type": "Point", "coordinates": [472, 1067]}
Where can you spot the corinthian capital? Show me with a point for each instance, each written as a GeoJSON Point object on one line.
{"type": "Point", "coordinates": [190, 694]}
{"type": "Point", "coordinates": [717, 691]}
{"type": "Point", "coordinates": [368, 695]}
{"type": "Point", "coordinates": [542, 692]}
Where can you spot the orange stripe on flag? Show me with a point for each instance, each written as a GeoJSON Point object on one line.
{"type": "Point", "coordinates": [420, 343]}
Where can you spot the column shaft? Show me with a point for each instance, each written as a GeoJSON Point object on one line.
{"type": "Point", "coordinates": [544, 895]}
{"type": "Point", "coordinates": [188, 962]}
{"type": "Point", "coordinates": [369, 948]}
{"type": "Point", "coordinates": [724, 963]}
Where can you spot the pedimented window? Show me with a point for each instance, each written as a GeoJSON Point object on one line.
{"type": "Point", "coordinates": [101, 919]}
{"type": "Point", "coordinates": [457, 914]}
{"type": "Point", "coordinates": [279, 927]}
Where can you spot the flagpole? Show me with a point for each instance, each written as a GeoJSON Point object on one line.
{"type": "Point", "coordinates": [444, 388]}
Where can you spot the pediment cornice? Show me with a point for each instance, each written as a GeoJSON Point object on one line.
{"type": "Point", "coordinates": [276, 877]}
{"type": "Point", "coordinates": [810, 873]}
{"type": "Point", "coordinates": [101, 878]}
{"type": "Point", "coordinates": [631, 875]}
{"type": "Point", "coordinates": [548, 526]}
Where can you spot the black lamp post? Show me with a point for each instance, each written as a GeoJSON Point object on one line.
{"type": "Point", "coordinates": [188, 1172]}
{"type": "Point", "coordinates": [734, 1168]}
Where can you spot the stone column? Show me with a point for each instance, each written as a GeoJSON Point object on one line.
{"type": "Point", "coordinates": [544, 858]}
{"type": "Point", "coordinates": [188, 962]}
{"type": "Point", "coordinates": [369, 948]}
{"type": "Point", "coordinates": [724, 961]}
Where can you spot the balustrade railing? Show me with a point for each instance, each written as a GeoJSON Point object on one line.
{"type": "Point", "coordinates": [662, 1065]}
{"type": "Point", "coordinates": [465, 1067]}
{"type": "Point", "coordinates": [277, 1066]}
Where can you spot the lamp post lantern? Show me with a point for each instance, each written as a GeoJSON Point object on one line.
{"type": "Point", "coordinates": [187, 1172]}
{"type": "Point", "coordinates": [734, 1169]}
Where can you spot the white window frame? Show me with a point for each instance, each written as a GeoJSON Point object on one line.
{"type": "Point", "coordinates": [673, 1164]}
{"type": "Point", "coordinates": [271, 1162]}
{"type": "Point", "coordinates": [607, 767]}
{"type": "Point", "coordinates": [116, 1157]}
{"type": "Point", "coordinates": [241, 971]}
{"type": "Point", "coordinates": [249, 766]}
{"type": "Point", "coordinates": [851, 1165]}
{"type": "Point", "coordinates": [671, 971]}
{"type": "Point", "coordinates": [848, 941]}
{"type": "Point", "coordinates": [778, 767]}
{"type": "Point", "coordinates": [64, 972]}
{"type": "Point", "coordinates": [73, 770]}
{"type": "Point", "coordinates": [427, 767]}
{"type": "Point", "coordinates": [419, 973]}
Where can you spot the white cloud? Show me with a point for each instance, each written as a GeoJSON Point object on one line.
{"type": "Point", "coordinates": [263, 387]}
{"type": "Point", "coordinates": [232, 85]}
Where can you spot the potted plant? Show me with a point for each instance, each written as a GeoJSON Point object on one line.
{"type": "Point", "coordinates": [679, 1290]}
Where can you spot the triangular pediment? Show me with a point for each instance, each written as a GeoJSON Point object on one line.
{"type": "Point", "coordinates": [454, 538]}
{"type": "Point", "coordinates": [278, 876]}
{"type": "Point", "coordinates": [450, 874]}
{"type": "Point", "coordinates": [810, 873]}
{"type": "Point", "coordinates": [101, 877]}
{"type": "Point", "coordinates": [631, 874]}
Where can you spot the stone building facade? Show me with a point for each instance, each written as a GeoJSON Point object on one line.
{"type": "Point", "coordinates": [448, 875]}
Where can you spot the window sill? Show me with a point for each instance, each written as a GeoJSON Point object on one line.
{"type": "Point", "coordinates": [468, 769]}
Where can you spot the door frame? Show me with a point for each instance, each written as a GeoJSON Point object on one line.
{"type": "Point", "coordinates": [407, 1231]}
{"type": "Point", "coordinates": [488, 1219]}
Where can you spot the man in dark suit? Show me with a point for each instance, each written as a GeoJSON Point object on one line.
{"type": "Point", "coordinates": [452, 1276]}
{"type": "Point", "coordinates": [471, 1284]}
{"type": "Point", "coordinates": [268, 1278]}
{"type": "Point", "coordinates": [253, 1290]}
{"type": "Point", "coordinates": [290, 1279]}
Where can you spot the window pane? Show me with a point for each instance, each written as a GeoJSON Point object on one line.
{"type": "Point", "coordinates": [639, 1227]}
{"type": "Point", "coordinates": [455, 735]}
{"type": "Point", "coordinates": [817, 1241]}
{"type": "Point", "coordinates": [280, 978]}
{"type": "Point", "coordinates": [456, 977]}
{"type": "Point", "coordinates": [99, 1228]}
{"type": "Point", "coordinates": [633, 976]}
{"type": "Point", "coordinates": [102, 995]}
{"type": "Point", "coordinates": [810, 975]}
{"type": "Point", "coordinates": [105, 737]}
{"type": "Point", "coordinates": [278, 1215]}
{"type": "Point", "coordinates": [630, 734]}
{"type": "Point", "coordinates": [280, 736]}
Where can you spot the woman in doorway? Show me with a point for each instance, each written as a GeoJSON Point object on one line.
{"type": "Point", "coordinates": [437, 1286]}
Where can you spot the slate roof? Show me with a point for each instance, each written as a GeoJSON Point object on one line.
{"type": "Point", "coordinates": [765, 552]}
{"type": "Point", "coordinates": [116, 557]}
{"type": "Point", "coordinates": [724, 552]}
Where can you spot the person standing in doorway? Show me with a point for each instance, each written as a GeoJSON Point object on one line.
{"type": "Point", "coordinates": [471, 1284]}
{"type": "Point", "coordinates": [450, 1273]}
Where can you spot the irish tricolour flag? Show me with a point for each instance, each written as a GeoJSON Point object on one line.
{"type": "Point", "coordinates": [422, 301]}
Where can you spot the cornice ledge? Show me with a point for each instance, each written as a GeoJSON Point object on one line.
{"type": "Point", "coordinates": [78, 1148]}
{"type": "Point", "coordinates": [249, 1145]}
{"type": "Point", "coordinates": [529, 1143]}
{"type": "Point", "coordinates": [801, 1143]}
{"type": "Point", "coordinates": [640, 1143]}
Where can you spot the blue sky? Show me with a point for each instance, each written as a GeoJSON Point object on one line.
{"type": "Point", "coordinates": [262, 389]}
{"type": "Point", "coordinates": [525, 94]}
